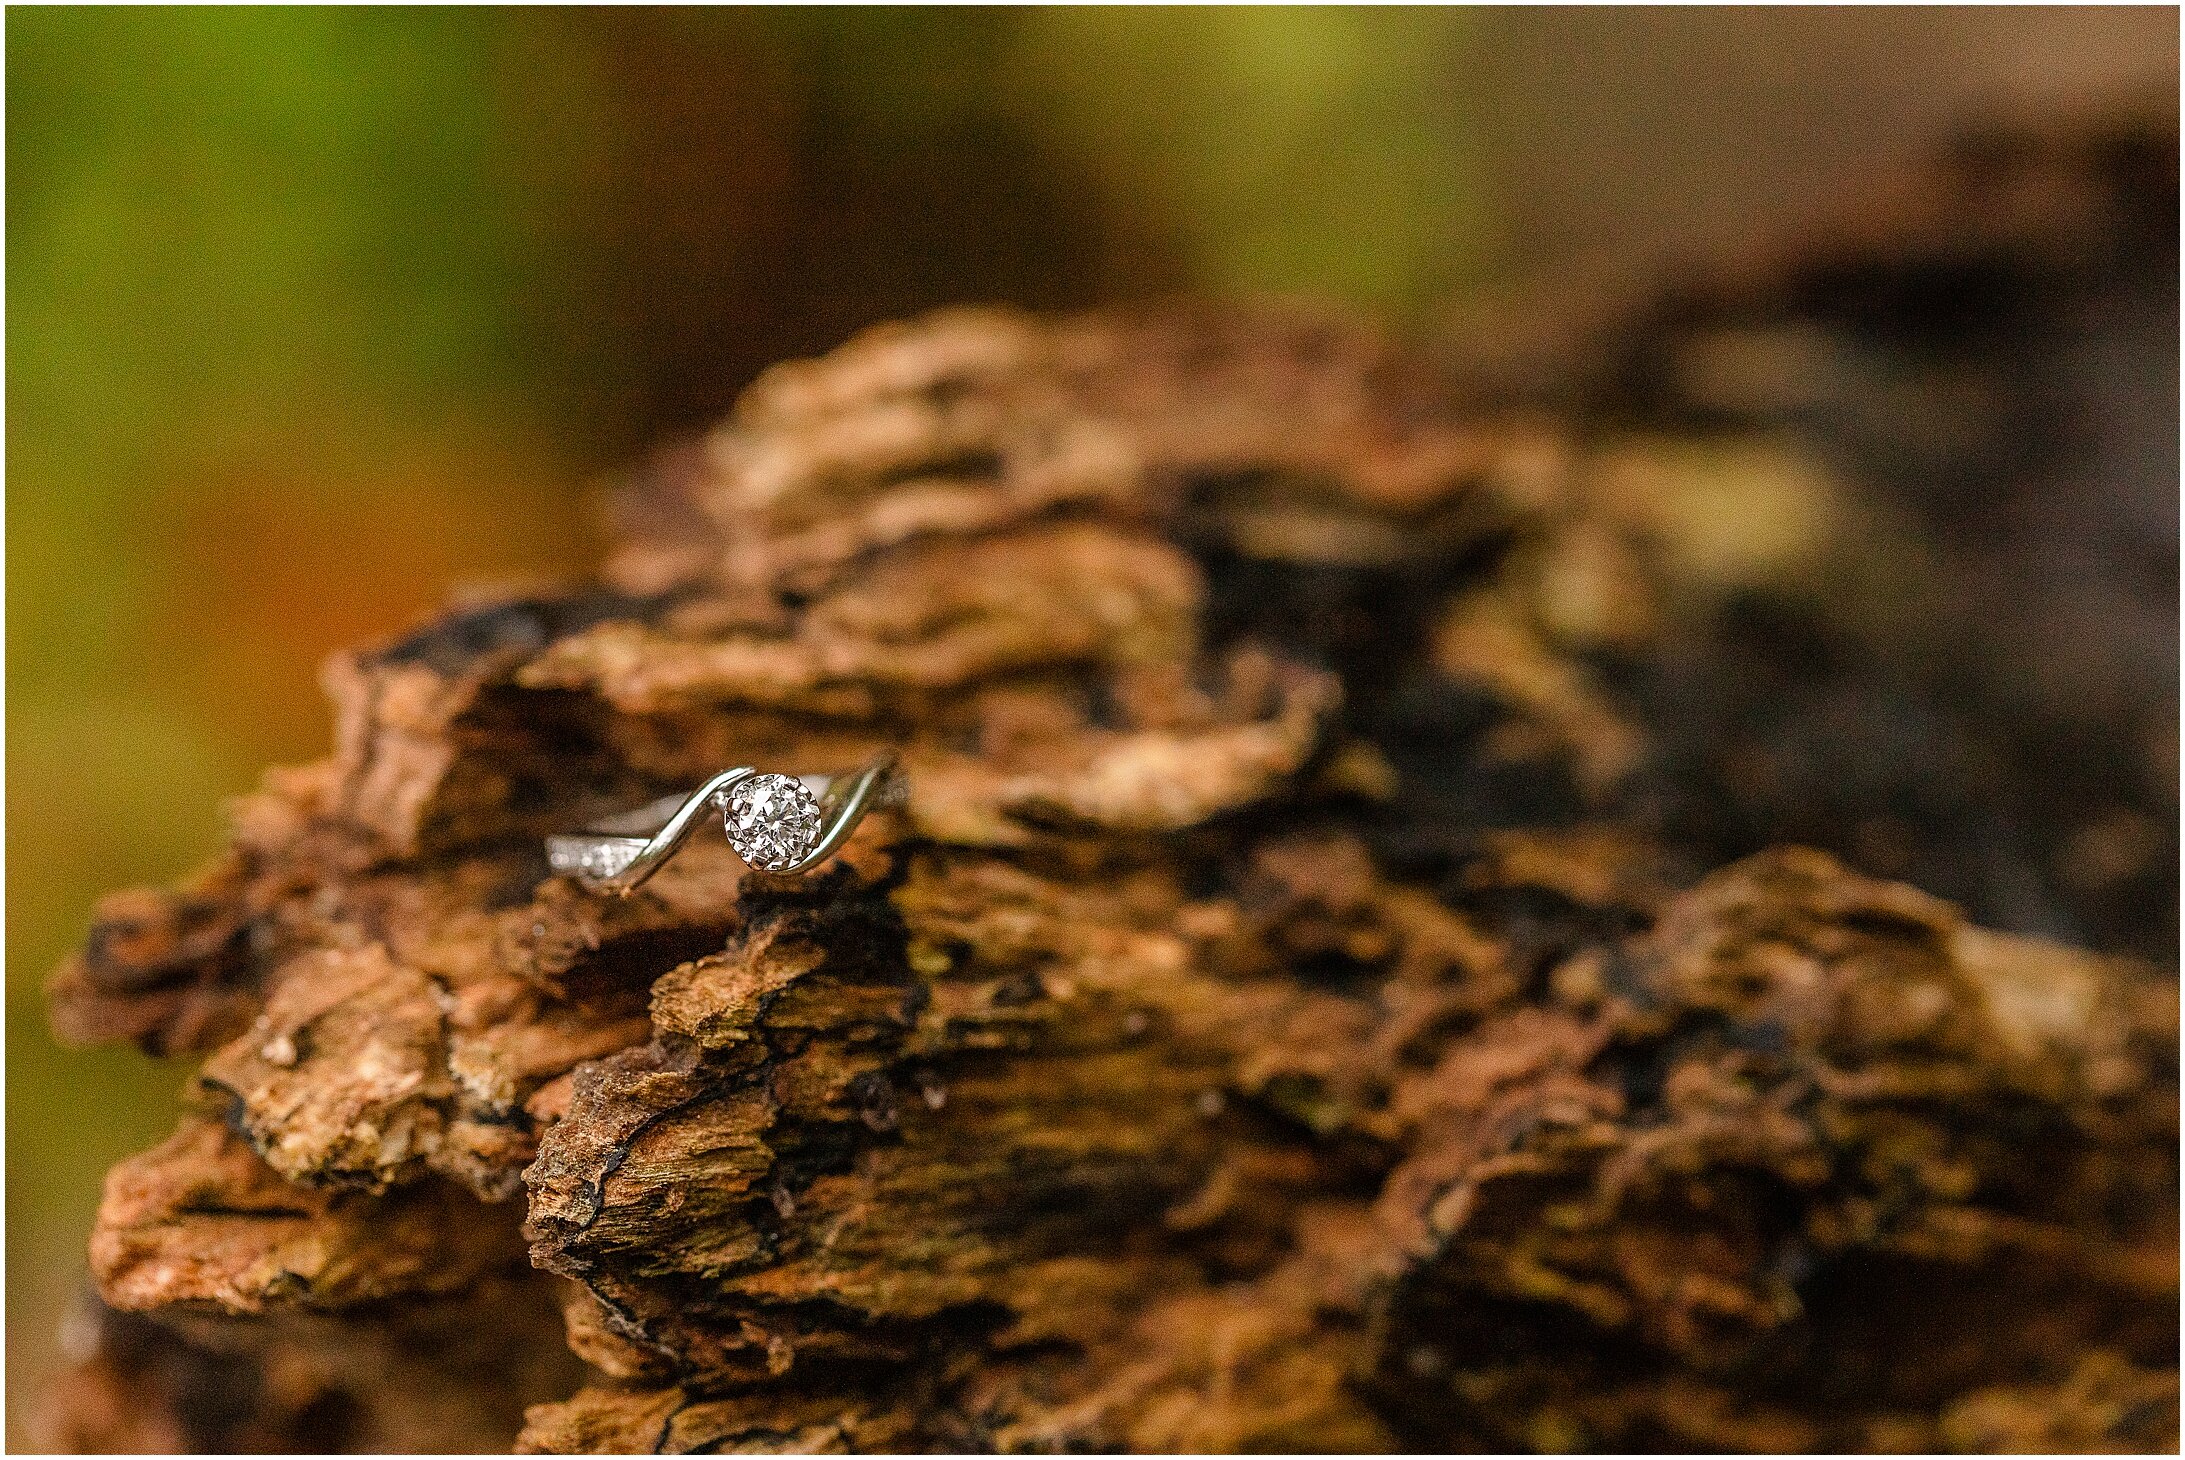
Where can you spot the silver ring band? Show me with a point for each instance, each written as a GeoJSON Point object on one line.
{"type": "Point", "coordinates": [776, 823]}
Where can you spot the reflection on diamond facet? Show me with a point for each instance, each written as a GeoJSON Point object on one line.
{"type": "Point", "coordinates": [772, 821]}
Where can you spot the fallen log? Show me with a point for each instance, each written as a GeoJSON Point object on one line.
{"type": "Point", "coordinates": [1297, 1005]}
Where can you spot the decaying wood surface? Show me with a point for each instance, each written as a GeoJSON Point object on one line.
{"type": "Point", "coordinates": [1315, 996]}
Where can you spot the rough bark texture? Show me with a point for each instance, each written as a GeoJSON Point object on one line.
{"type": "Point", "coordinates": [1340, 981]}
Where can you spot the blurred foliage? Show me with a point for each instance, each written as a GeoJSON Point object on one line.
{"type": "Point", "coordinates": [1311, 151]}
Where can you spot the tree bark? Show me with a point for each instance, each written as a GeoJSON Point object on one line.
{"type": "Point", "coordinates": [1332, 984]}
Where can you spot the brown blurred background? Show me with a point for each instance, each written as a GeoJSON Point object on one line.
{"type": "Point", "coordinates": [314, 314]}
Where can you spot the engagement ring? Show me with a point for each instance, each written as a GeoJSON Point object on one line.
{"type": "Point", "coordinates": [777, 823]}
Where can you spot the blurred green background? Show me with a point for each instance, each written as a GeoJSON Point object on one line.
{"type": "Point", "coordinates": [313, 314]}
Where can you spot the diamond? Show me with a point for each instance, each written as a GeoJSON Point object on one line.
{"type": "Point", "coordinates": [772, 821]}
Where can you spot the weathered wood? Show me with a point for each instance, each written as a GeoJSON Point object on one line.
{"type": "Point", "coordinates": [1289, 1011]}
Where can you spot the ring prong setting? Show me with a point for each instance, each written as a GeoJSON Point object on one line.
{"type": "Point", "coordinates": [772, 821]}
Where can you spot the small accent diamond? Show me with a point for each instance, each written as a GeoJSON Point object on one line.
{"type": "Point", "coordinates": [772, 821]}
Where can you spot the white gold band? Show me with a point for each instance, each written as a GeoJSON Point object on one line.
{"type": "Point", "coordinates": [777, 823]}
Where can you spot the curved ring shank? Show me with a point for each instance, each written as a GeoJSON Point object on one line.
{"type": "Point", "coordinates": [620, 852]}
